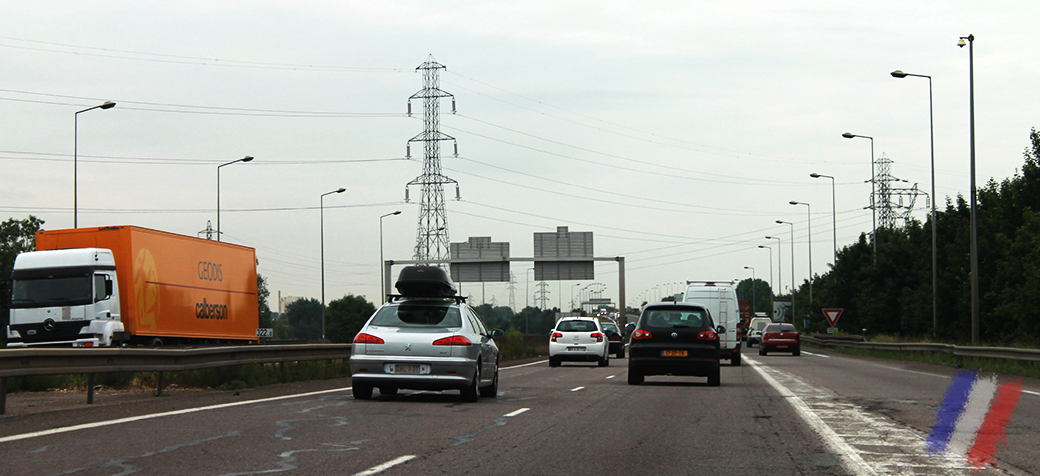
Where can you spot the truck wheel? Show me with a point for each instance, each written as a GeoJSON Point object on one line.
{"type": "Point", "coordinates": [155, 342]}
{"type": "Point", "coordinates": [362, 391]}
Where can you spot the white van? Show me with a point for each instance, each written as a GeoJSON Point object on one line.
{"type": "Point", "coordinates": [720, 298]}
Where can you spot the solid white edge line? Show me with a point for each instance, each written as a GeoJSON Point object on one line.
{"type": "Point", "coordinates": [850, 459]}
{"type": "Point", "coordinates": [385, 466]}
{"type": "Point", "coordinates": [99, 424]}
{"type": "Point", "coordinates": [576, 389]}
{"type": "Point", "coordinates": [513, 414]}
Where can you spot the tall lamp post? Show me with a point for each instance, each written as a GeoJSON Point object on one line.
{"type": "Point", "coordinates": [873, 189]}
{"type": "Point", "coordinates": [834, 215]}
{"type": "Point", "coordinates": [752, 289]}
{"type": "Point", "coordinates": [382, 278]}
{"type": "Point", "coordinates": [935, 260]}
{"type": "Point", "coordinates": [75, 159]}
{"type": "Point", "coordinates": [572, 294]}
{"type": "Point", "coordinates": [321, 200]}
{"type": "Point", "coordinates": [779, 266]}
{"type": "Point", "coordinates": [243, 159]}
{"type": "Point", "coordinates": [808, 213]}
{"type": "Point", "coordinates": [781, 222]}
{"type": "Point", "coordinates": [974, 201]}
{"type": "Point", "coordinates": [770, 248]}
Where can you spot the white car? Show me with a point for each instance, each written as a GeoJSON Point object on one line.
{"type": "Point", "coordinates": [579, 339]}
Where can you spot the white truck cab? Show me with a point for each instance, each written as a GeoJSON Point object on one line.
{"type": "Point", "coordinates": [720, 299]}
{"type": "Point", "coordinates": [64, 297]}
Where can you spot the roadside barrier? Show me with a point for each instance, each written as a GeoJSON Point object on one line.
{"type": "Point", "coordinates": [1007, 353]}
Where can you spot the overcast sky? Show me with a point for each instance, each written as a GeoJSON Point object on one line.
{"type": "Point", "coordinates": [676, 132]}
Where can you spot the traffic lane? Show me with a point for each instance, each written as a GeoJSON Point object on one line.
{"type": "Point", "coordinates": [668, 425]}
{"type": "Point", "coordinates": [909, 393]}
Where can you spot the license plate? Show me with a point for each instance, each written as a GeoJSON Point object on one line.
{"type": "Point", "coordinates": [781, 347]}
{"type": "Point", "coordinates": [406, 369]}
{"type": "Point", "coordinates": [673, 353]}
{"type": "Point", "coordinates": [575, 349]}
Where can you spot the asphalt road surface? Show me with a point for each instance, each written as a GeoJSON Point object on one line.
{"type": "Point", "coordinates": [820, 413]}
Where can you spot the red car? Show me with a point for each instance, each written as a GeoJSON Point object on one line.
{"type": "Point", "coordinates": [780, 338]}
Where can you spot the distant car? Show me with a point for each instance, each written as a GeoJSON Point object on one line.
{"type": "Point", "coordinates": [616, 338]}
{"type": "Point", "coordinates": [674, 339]}
{"type": "Point", "coordinates": [426, 340]}
{"type": "Point", "coordinates": [755, 328]}
{"type": "Point", "coordinates": [579, 339]}
{"type": "Point", "coordinates": [780, 338]}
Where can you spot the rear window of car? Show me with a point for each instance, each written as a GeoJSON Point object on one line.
{"type": "Point", "coordinates": [418, 315]}
{"type": "Point", "coordinates": [676, 318]}
{"type": "Point", "coordinates": [576, 326]}
{"type": "Point", "coordinates": [608, 327]}
{"type": "Point", "coordinates": [781, 328]}
{"type": "Point", "coordinates": [759, 325]}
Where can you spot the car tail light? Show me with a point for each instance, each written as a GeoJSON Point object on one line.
{"type": "Point", "coordinates": [454, 340]}
{"type": "Point", "coordinates": [641, 334]}
{"type": "Point", "coordinates": [598, 336]}
{"type": "Point", "coordinates": [555, 335]}
{"type": "Point", "coordinates": [363, 338]}
{"type": "Point", "coordinates": [708, 335]}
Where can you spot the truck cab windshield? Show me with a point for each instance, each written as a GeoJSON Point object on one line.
{"type": "Point", "coordinates": [47, 292]}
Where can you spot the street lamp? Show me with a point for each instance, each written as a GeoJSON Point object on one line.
{"type": "Point", "coordinates": [75, 159]}
{"type": "Point", "coordinates": [382, 278]}
{"type": "Point", "coordinates": [974, 201]}
{"type": "Point", "coordinates": [770, 248]}
{"type": "Point", "coordinates": [779, 265]}
{"type": "Point", "coordinates": [572, 294]}
{"type": "Point", "coordinates": [243, 159]}
{"type": "Point", "coordinates": [834, 215]}
{"type": "Point", "coordinates": [781, 222]}
{"type": "Point", "coordinates": [321, 201]}
{"type": "Point", "coordinates": [808, 213]}
{"type": "Point", "coordinates": [935, 259]}
{"type": "Point", "coordinates": [752, 289]}
{"type": "Point", "coordinates": [873, 211]}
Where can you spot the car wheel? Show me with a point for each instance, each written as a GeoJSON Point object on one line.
{"type": "Point", "coordinates": [797, 352]}
{"type": "Point", "coordinates": [604, 361]}
{"type": "Point", "coordinates": [491, 391]}
{"type": "Point", "coordinates": [554, 361]}
{"type": "Point", "coordinates": [471, 393]}
{"type": "Point", "coordinates": [735, 360]}
{"type": "Point", "coordinates": [621, 353]}
{"type": "Point", "coordinates": [388, 391]}
{"type": "Point", "coordinates": [634, 377]}
{"type": "Point", "coordinates": [761, 350]}
{"type": "Point", "coordinates": [362, 392]}
{"type": "Point", "coordinates": [714, 380]}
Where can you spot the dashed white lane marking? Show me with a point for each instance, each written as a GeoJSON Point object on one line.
{"type": "Point", "coordinates": [385, 466]}
{"type": "Point", "coordinates": [513, 414]}
{"type": "Point", "coordinates": [866, 443]}
{"type": "Point", "coordinates": [610, 377]}
{"type": "Point", "coordinates": [576, 389]}
{"type": "Point", "coordinates": [816, 355]}
{"type": "Point", "coordinates": [524, 365]}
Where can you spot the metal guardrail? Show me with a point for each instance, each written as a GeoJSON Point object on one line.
{"type": "Point", "coordinates": [50, 361]}
{"type": "Point", "coordinates": [1006, 353]}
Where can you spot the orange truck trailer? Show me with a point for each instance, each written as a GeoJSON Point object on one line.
{"type": "Point", "coordinates": [102, 286]}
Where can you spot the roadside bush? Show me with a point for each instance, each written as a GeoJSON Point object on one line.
{"type": "Point", "coordinates": [513, 347]}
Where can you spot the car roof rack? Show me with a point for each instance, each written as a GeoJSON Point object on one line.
{"type": "Point", "coordinates": [399, 297]}
{"type": "Point", "coordinates": [710, 283]}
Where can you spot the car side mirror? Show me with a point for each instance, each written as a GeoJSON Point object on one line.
{"type": "Point", "coordinates": [497, 333]}
{"type": "Point", "coordinates": [629, 328]}
{"type": "Point", "coordinates": [721, 329]}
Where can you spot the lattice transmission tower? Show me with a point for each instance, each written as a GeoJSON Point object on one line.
{"type": "Point", "coordinates": [431, 237]}
{"type": "Point", "coordinates": [512, 291]}
{"type": "Point", "coordinates": [542, 295]}
{"type": "Point", "coordinates": [893, 203]}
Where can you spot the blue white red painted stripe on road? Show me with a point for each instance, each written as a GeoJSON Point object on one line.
{"type": "Point", "coordinates": [972, 419]}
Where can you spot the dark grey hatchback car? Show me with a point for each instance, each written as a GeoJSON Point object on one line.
{"type": "Point", "coordinates": [674, 339]}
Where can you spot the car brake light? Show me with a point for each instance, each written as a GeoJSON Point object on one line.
{"type": "Point", "coordinates": [641, 334]}
{"type": "Point", "coordinates": [363, 338]}
{"type": "Point", "coordinates": [708, 335]}
{"type": "Point", "coordinates": [555, 335]}
{"type": "Point", "coordinates": [598, 336]}
{"type": "Point", "coordinates": [454, 340]}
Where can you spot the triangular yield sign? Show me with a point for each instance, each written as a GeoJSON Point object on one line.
{"type": "Point", "coordinates": [832, 315]}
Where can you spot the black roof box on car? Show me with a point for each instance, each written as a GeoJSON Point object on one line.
{"type": "Point", "coordinates": [425, 281]}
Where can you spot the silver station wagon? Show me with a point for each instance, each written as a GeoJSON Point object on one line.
{"type": "Point", "coordinates": [425, 339]}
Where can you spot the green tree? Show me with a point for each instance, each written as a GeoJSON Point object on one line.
{"type": "Point", "coordinates": [304, 318]}
{"type": "Point", "coordinates": [346, 316]}
{"type": "Point", "coordinates": [262, 294]}
{"type": "Point", "coordinates": [16, 236]}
